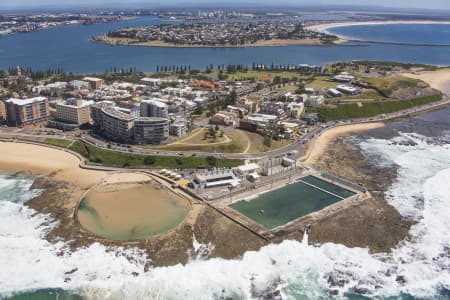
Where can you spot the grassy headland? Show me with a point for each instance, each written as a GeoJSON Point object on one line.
{"type": "Point", "coordinates": [365, 110]}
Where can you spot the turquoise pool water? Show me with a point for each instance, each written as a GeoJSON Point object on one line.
{"type": "Point", "coordinates": [293, 201]}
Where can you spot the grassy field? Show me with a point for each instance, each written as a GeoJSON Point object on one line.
{"type": "Point", "coordinates": [365, 95]}
{"type": "Point", "coordinates": [353, 110]}
{"type": "Point", "coordinates": [321, 82]}
{"type": "Point", "coordinates": [198, 137]}
{"type": "Point", "coordinates": [129, 160]}
{"type": "Point", "coordinates": [239, 141]}
{"type": "Point", "coordinates": [256, 142]}
{"type": "Point", "coordinates": [256, 75]}
{"type": "Point", "coordinates": [231, 147]}
{"type": "Point", "coordinates": [58, 142]}
{"type": "Point", "coordinates": [387, 85]}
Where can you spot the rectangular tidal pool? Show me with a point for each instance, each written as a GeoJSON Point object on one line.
{"type": "Point", "coordinates": [281, 206]}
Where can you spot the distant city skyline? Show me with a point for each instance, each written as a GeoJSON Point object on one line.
{"type": "Point", "coordinates": [35, 4]}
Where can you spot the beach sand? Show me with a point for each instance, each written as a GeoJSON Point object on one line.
{"type": "Point", "coordinates": [65, 183]}
{"type": "Point", "coordinates": [47, 161]}
{"type": "Point", "coordinates": [325, 26]}
{"type": "Point", "coordinates": [268, 43]}
{"type": "Point", "coordinates": [318, 146]}
{"type": "Point", "coordinates": [439, 80]}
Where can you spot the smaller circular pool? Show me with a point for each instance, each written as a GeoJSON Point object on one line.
{"type": "Point", "coordinates": [127, 211]}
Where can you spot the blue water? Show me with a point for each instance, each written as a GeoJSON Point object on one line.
{"type": "Point", "coordinates": [408, 33]}
{"type": "Point", "coordinates": [71, 49]}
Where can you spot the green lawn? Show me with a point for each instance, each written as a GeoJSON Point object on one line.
{"type": "Point", "coordinates": [58, 142]}
{"type": "Point", "coordinates": [371, 109]}
{"type": "Point", "coordinates": [387, 85]}
{"type": "Point", "coordinates": [365, 95]}
{"type": "Point", "coordinates": [256, 75]}
{"type": "Point", "coordinates": [230, 147]}
{"type": "Point", "coordinates": [129, 160]}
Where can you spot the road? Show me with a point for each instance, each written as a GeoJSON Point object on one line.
{"type": "Point", "coordinates": [298, 145]}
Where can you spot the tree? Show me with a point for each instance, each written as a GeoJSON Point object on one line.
{"type": "Point", "coordinates": [301, 88]}
{"type": "Point", "coordinates": [149, 160]}
{"type": "Point", "coordinates": [198, 110]}
{"type": "Point", "coordinates": [211, 160]}
{"type": "Point", "coordinates": [267, 141]}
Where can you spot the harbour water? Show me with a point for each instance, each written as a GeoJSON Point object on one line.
{"type": "Point", "coordinates": [404, 33]}
{"type": "Point", "coordinates": [71, 49]}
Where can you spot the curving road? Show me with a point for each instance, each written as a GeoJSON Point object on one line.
{"type": "Point", "coordinates": [298, 145]}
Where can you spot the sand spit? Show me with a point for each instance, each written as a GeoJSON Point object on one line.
{"type": "Point", "coordinates": [439, 80]}
{"type": "Point", "coordinates": [318, 146]}
{"type": "Point", "coordinates": [325, 26]}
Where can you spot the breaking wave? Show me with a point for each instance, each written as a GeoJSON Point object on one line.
{"type": "Point", "coordinates": [418, 267]}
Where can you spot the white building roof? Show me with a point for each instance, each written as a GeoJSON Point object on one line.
{"type": "Point", "coordinates": [347, 88]}
{"type": "Point", "coordinates": [155, 102]}
{"type": "Point", "coordinates": [232, 182]}
{"type": "Point", "coordinates": [248, 168]}
{"type": "Point", "coordinates": [25, 101]}
{"type": "Point", "coordinates": [84, 103]}
{"type": "Point", "coordinates": [92, 79]}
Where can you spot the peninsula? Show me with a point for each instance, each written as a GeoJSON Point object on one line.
{"type": "Point", "coordinates": [237, 34]}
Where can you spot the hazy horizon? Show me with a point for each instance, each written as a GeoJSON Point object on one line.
{"type": "Point", "coordinates": [72, 4]}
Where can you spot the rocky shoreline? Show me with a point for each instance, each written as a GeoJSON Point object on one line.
{"type": "Point", "coordinates": [373, 223]}
{"type": "Point", "coordinates": [176, 246]}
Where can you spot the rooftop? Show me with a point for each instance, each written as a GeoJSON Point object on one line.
{"type": "Point", "coordinates": [114, 113]}
{"type": "Point", "coordinates": [25, 101]}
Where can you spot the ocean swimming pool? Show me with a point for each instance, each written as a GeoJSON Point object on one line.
{"type": "Point", "coordinates": [281, 206]}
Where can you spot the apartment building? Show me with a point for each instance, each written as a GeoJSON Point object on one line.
{"type": "Point", "coordinates": [74, 111]}
{"type": "Point", "coordinates": [151, 130]}
{"type": "Point", "coordinates": [116, 125]}
{"type": "Point", "coordinates": [154, 108]}
{"type": "Point", "coordinates": [2, 112]}
{"type": "Point", "coordinates": [95, 83]}
{"type": "Point", "coordinates": [20, 112]}
{"type": "Point", "coordinates": [112, 123]}
{"type": "Point", "coordinates": [178, 128]}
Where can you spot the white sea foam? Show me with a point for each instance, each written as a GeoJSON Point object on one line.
{"type": "Point", "coordinates": [419, 267]}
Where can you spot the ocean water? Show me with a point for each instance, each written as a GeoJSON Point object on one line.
{"type": "Point", "coordinates": [71, 49]}
{"type": "Point", "coordinates": [407, 33]}
{"type": "Point", "coordinates": [418, 268]}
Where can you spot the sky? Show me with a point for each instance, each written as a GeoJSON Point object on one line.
{"type": "Point", "coordinates": [429, 4]}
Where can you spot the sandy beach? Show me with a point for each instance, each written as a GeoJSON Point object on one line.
{"type": "Point", "coordinates": [439, 80]}
{"type": "Point", "coordinates": [268, 43]}
{"type": "Point", "coordinates": [318, 146]}
{"type": "Point", "coordinates": [47, 161]}
{"type": "Point", "coordinates": [325, 26]}
{"type": "Point", "coordinates": [64, 183]}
